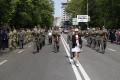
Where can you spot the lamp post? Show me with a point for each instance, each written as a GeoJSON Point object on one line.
{"type": "Point", "coordinates": [87, 14]}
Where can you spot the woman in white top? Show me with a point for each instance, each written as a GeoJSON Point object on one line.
{"type": "Point", "coordinates": [76, 45]}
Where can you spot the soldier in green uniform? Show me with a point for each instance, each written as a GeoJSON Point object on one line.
{"type": "Point", "coordinates": [98, 39]}
{"type": "Point", "coordinates": [40, 39]}
{"type": "Point", "coordinates": [35, 37]}
{"type": "Point", "coordinates": [56, 40]}
{"type": "Point", "coordinates": [29, 35]}
{"type": "Point", "coordinates": [69, 40]}
{"type": "Point", "coordinates": [10, 44]}
{"type": "Point", "coordinates": [21, 38]}
{"type": "Point", "coordinates": [43, 37]}
{"type": "Point", "coordinates": [15, 38]}
{"type": "Point", "coordinates": [89, 39]}
{"type": "Point", "coordinates": [103, 40]}
{"type": "Point", "coordinates": [93, 36]}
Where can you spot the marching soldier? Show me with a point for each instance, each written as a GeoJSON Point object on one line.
{"type": "Point", "coordinates": [69, 40]}
{"type": "Point", "coordinates": [10, 35]}
{"type": "Point", "coordinates": [21, 37]}
{"type": "Point", "coordinates": [56, 40]}
{"type": "Point", "coordinates": [43, 37]}
{"type": "Point", "coordinates": [103, 40]}
{"type": "Point", "coordinates": [98, 40]}
{"type": "Point", "coordinates": [93, 40]}
{"type": "Point", "coordinates": [40, 39]}
{"type": "Point", "coordinates": [35, 36]}
{"type": "Point", "coordinates": [15, 38]}
{"type": "Point", "coordinates": [29, 35]}
{"type": "Point", "coordinates": [50, 36]}
{"type": "Point", "coordinates": [89, 39]}
{"type": "Point", "coordinates": [0, 39]}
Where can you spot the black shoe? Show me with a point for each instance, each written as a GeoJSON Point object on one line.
{"type": "Point", "coordinates": [71, 57]}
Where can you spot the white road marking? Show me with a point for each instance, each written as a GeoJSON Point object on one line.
{"type": "Point", "coordinates": [77, 74]}
{"type": "Point", "coordinates": [21, 51]}
{"type": "Point", "coordinates": [4, 61]}
{"type": "Point", "coordinates": [112, 50]}
{"type": "Point", "coordinates": [85, 75]}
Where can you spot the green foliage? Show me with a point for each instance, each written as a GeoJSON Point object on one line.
{"type": "Point", "coordinates": [102, 12]}
{"type": "Point", "coordinates": [26, 12]}
{"type": "Point", "coordinates": [7, 8]}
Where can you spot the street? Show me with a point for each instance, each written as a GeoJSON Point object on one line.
{"type": "Point", "coordinates": [22, 64]}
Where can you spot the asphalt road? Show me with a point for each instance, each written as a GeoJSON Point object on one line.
{"type": "Point", "coordinates": [47, 65]}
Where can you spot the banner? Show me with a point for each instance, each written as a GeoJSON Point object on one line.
{"type": "Point", "coordinates": [74, 21]}
{"type": "Point", "coordinates": [82, 18]}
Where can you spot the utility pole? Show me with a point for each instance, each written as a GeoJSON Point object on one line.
{"type": "Point", "coordinates": [87, 14]}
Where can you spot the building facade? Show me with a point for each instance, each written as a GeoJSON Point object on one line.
{"type": "Point", "coordinates": [64, 17]}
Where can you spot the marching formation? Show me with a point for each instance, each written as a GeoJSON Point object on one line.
{"type": "Point", "coordinates": [39, 37]}
{"type": "Point", "coordinates": [13, 39]}
{"type": "Point", "coordinates": [97, 39]}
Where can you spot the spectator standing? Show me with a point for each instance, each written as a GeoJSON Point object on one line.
{"type": "Point", "coordinates": [21, 39]}
{"type": "Point", "coordinates": [4, 39]}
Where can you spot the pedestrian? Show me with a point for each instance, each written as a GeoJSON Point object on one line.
{"type": "Point", "coordinates": [21, 36]}
{"type": "Point", "coordinates": [40, 39]}
{"type": "Point", "coordinates": [43, 37]}
{"type": "Point", "coordinates": [35, 37]}
{"type": "Point", "coordinates": [112, 36]}
{"type": "Point", "coordinates": [4, 39]}
{"type": "Point", "coordinates": [76, 45]}
{"type": "Point", "coordinates": [117, 34]}
{"type": "Point", "coordinates": [50, 36]}
{"type": "Point", "coordinates": [56, 40]}
{"type": "Point", "coordinates": [93, 36]}
{"type": "Point", "coordinates": [103, 40]}
{"type": "Point", "coordinates": [14, 34]}
{"type": "Point", "coordinates": [69, 41]}
{"type": "Point", "coordinates": [98, 39]}
{"type": "Point", "coordinates": [0, 39]}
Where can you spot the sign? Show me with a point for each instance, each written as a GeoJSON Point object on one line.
{"type": "Point", "coordinates": [82, 18]}
{"type": "Point", "coordinates": [74, 21]}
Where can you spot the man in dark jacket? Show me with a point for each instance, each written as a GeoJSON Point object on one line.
{"type": "Point", "coordinates": [4, 38]}
{"type": "Point", "coordinates": [0, 39]}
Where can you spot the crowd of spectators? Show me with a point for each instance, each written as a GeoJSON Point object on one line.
{"type": "Point", "coordinates": [11, 38]}
{"type": "Point", "coordinates": [114, 36]}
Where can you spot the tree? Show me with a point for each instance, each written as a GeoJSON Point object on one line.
{"type": "Point", "coordinates": [7, 8]}
{"type": "Point", "coordinates": [102, 12]}
{"type": "Point", "coordinates": [23, 13]}
{"type": "Point", "coordinates": [43, 14]}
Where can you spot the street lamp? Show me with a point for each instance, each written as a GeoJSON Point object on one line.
{"type": "Point", "coordinates": [87, 14]}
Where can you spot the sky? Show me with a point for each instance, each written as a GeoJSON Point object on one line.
{"type": "Point", "coordinates": [57, 5]}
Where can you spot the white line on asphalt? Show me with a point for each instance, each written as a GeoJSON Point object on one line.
{"type": "Point", "coordinates": [77, 74]}
{"type": "Point", "coordinates": [21, 51]}
{"type": "Point", "coordinates": [112, 49]}
{"type": "Point", "coordinates": [85, 75]}
{"type": "Point", "coordinates": [4, 61]}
